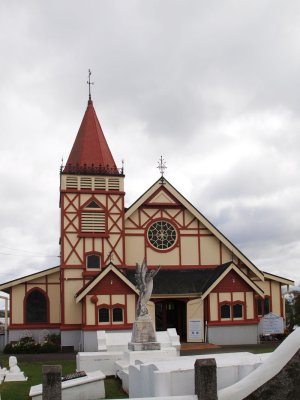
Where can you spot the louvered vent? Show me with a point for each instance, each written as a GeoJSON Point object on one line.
{"type": "Point", "coordinates": [99, 184]}
{"type": "Point", "coordinates": [72, 182]}
{"type": "Point", "coordinates": [93, 222]}
{"type": "Point", "coordinates": [113, 184]}
{"type": "Point", "coordinates": [85, 182]}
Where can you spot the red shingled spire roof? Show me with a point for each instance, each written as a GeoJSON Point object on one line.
{"type": "Point", "coordinates": [90, 152]}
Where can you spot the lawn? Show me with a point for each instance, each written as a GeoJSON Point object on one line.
{"type": "Point", "coordinates": [33, 370]}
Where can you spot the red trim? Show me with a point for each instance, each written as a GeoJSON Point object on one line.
{"type": "Point", "coordinates": [234, 322]}
{"type": "Point", "coordinates": [109, 327]}
{"type": "Point", "coordinates": [34, 326]}
{"type": "Point", "coordinates": [70, 327]}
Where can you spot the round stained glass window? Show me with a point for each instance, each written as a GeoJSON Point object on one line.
{"type": "Point", "coordinates": [162, 235]}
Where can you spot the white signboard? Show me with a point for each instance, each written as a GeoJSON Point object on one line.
{"type": "Point", "coordinates": [195, 329]}
{"type": "Point", "coordinates": [271, 324]}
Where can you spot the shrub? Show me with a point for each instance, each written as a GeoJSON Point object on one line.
{"type": "Point", "coordinates": [27, 345]}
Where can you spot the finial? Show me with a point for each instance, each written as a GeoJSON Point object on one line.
{"type": "Point", "coordinates": [90, 83]}
{"type": "Point", "coordinates": [161, 166]}
{"type": "Point", "coordinates": [110, 256]}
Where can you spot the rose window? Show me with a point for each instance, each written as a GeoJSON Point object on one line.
{"type": "Point", "coordinates": [162, 235]}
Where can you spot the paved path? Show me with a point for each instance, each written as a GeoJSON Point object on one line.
{"type": "Point", "coordinates": [187, 349]}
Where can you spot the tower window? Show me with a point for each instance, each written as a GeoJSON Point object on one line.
{"type": "Point", "coordinates": [93, 261]}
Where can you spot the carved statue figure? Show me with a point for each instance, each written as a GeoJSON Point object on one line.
{"type": "Point", "coordinates": [144, 283]}
{"type": "Point", "coordinates": [13, 365]}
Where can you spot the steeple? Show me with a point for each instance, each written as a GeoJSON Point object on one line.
{"type": "Point", "coordinates": [90, 153]}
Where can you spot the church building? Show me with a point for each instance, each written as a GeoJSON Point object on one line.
{"type": "Point", "coordinates": [206, 287]}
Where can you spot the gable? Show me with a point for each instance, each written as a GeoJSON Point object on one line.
{"type": "Point", "coordinates": [234, 274]}
{"type": "Point", "coordinates": [115, 278]}
{"type": "Point", "coordinates": [111, 284]}
{"type": "Point", "coordinates": [162, 197]}
{"type": "Point", "coordinates": [232, 282]}
{"type": "Point", "coordinates": [157, 191]}
{"type": "Point", "coordinates": [50, 273]}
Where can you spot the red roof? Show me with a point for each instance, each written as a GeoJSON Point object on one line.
{"type": "Point", "coordinates": [90, 152]}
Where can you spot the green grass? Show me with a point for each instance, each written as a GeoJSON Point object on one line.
{"type": "Point", "coordinates": [33, 370]}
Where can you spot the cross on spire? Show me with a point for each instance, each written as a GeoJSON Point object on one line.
{"type": "Point", "coordinates": [90, 83]}
{"type": "Point", "coordinates": [162, 166]}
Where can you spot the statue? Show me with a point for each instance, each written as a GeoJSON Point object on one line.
{"type": "Point", "coordinates": [143, 334]}
{"type": "Point", "coordinates": [144, 283]}
{"type": "Point", "coordinates": [13, 365]}
{"type": "Point", "coordinates": [14, 374]}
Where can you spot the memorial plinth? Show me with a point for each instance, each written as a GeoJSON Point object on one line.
{"type": "Point", "coordinates": [143, 335]}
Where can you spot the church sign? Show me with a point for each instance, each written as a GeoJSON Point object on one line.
{"type": "Point", "coordinates": [195, 329]}
{"type": "Point", "coordinates": [271, 324]}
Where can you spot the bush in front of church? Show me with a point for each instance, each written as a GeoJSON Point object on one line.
{"type": "Point", "coordinates": [27, 345]}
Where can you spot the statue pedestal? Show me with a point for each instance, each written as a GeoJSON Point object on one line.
{"type": "Point", "coordinates": [143, 335]}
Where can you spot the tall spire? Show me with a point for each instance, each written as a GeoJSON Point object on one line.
{"type": "Point", "coordinates": [90, 153]}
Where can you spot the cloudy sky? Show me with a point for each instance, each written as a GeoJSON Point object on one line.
{"type": "Point", "coordinates": [211, 86]}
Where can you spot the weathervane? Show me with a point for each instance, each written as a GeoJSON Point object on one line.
{"type": "Point", "coordinates": [162, 166]}
{"type": "Point", "coordinates": [90, 83]}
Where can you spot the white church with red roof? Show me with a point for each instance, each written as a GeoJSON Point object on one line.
{"type": "Point", "coordinates": [207, 289]}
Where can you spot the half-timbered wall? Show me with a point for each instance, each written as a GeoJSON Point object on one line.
{"type": "Point", "coordinates": [92, 220]}
{"type": "Point", "coordinates": [195, 245]}
{"type": "Point", "coordinates": [49, 286]}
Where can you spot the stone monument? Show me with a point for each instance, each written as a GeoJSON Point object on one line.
{"type": "Point", "coordinates": [143, 333]}
{"type": "Point", "coordinates": [14, 374]}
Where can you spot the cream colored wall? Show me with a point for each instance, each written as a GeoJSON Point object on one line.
{"type": "Point", "coordinates": [249, 305]}
{"type": "Point", "coordinates": [238, 296]}
{"type": "Point", "coordinates": [130, 308]}
{"type": "Point", "coordinates": [17, 299]}
{"type": "Point", "coordinates": [159, 258]}
{"type": "Point", "coordinates": [72, 309]}
{"type": "Point", "coordinates": [276, 297]}
{"type": "Point", "coordinates": [189, 250]}
{"type": "Point", "coordinates": [224, 297]}
{"type": "Point", "coordinates": [54, 303]}
{"type": "Point", "coordinates": [194, 311]}
{"type": "Point", "coordinates": [210, 250]}
{"type": "Point", "coordinates": [54, 278]}
{"type": "Point", "coordinates": [118, 299]}
{"type": "Point", "coordinates": [135, 249]}
{"type": "Point", "coordinates": [213, 306]}
{"type": "Point", "coordinates": [90, 310]}
{"type": "Point", "coordinates": [73, 273]}
{"type": "Point", "coordinates": [38, 285]}
{"type": "Point", "coordinates": [226, 255]}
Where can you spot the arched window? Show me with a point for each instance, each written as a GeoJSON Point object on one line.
{"type": "Point", "coordinates": [36, 307]}
{"type": "Point", "coordinates": [117, 314]}
{"type": "Point", "coordinates": [103, 315]}
{"type": "Point", "coordinates": [93, 261]}
{"type": "Point", "coordinates": [237, 310]}
{"type": "Point", "coordinates": [225, 311]}
{"type": "Point", "coordinates": [267, 305]}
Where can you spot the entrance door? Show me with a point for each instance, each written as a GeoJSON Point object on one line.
{"type": "Point", "coordinates": [171, 314]}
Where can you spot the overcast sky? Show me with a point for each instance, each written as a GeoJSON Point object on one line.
{"type": "Point", "coordinates": [212, 86]}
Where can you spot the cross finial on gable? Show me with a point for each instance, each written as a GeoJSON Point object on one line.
{"type": "Point", "coordinates": [110, 256]}
{"type": "Point", "coordinates": [162, 166]}
{"type": "Point", "coordinates": [90, 83]}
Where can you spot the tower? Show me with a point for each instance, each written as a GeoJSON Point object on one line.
{"type": "Point", "coordinates": [92, 218]}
